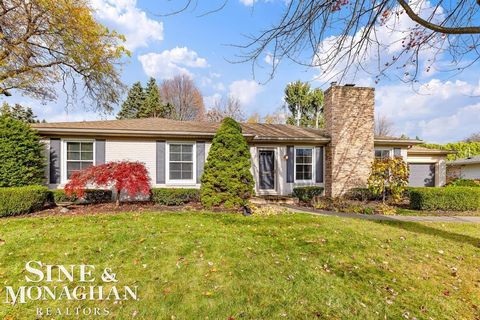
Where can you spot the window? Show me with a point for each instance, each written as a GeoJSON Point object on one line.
{"type": "Point", "coordinates": [181, 162]}
{"type": "Point", "coordinates": [382, 153]}
{"type": "Point", "coordinates": [79, 156]}
{"type": "Point", "coordinates": [304, 164]}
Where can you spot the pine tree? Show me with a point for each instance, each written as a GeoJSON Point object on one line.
{"type": "Point", "coordinates": [18, 112]}
{"type": "Point", "coordinates": [21, 154]}
{"type": "Point", "coordinates": [152, 105]}
{"type": "Point", "coordinates": [227, 179]}
{"type": "Point", "coordinates": [134, 102]}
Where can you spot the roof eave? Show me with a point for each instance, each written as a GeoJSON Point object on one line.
{"type": "Point", "coordinates": [398, 142]}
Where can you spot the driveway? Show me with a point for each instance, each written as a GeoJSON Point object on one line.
{"type": "Point", "coordinates": [384, 218]}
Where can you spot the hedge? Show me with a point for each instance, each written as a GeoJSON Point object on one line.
{"type": "Point", "coordinates": [465, 183]}
{"type": "Point", "coordinates": [19, 200]}
{"type": "Point", "coordinates": [91, 196]}
{"type": "Point", "coordinates": [174, 196]}
{"type": "Point", "coordinates": [447, 198]}
{"type": "Point", "coordinates": [306, 194]}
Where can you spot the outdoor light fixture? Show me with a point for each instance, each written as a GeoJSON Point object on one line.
{"type": "Point", "coordinates": [285, 157]}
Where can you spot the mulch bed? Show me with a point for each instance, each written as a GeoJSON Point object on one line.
{"type": "Point", "coordinates": [112, 208]}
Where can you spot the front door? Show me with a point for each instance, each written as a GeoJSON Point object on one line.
{"type": "Point", "coordinates": [267, 169]}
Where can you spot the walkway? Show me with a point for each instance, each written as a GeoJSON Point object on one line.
{"type": "Point", "coordinates": [385, 218]}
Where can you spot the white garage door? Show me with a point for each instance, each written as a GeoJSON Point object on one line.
{"type": "Point", "coordinates": [422, 175]}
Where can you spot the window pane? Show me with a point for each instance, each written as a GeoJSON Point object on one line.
{"type": "Point", "coordinates": [87, 146]}
{"type": "Point", "coordinates": [187, 148]}
{"type": "Point", "coordinates": [87, 155]}
{"type": "Point", "coordinates": [187, 157]}
{"type": "Point", "coordinates": [187, 175]}
{"type": "Point", "coordinates": [187, 166]}
{"type": "Point", "coordinates": [175, 156]}
{"type": "Point", "coordinates": [73, 155]}
{"type": "Point", "coordinates": [175, 175]}
{"type": "Point", "coordinates": [175, 148]}
{"type": "Point", "coordinates": [175, 166]}
{"type": "Point", "coordinates": [86, 164]}
{"type": "Point", "coordinates": [73, 146]}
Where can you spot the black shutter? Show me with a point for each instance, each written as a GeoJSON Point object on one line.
{"type": "Point", "coordinates": [319, 164]}
{"type": "Point", "coordinates": [200, 159]}
{"type": "Point", "coordinates": [55, 160]}
{"type": "Point", "coordinates": [290, 164]}
{"type": "Point", "coordinates": [160, 161]}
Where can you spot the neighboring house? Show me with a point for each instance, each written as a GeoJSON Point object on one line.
{"type": "Point", "coordinates": [468, 168]}
{"type": "Point", "coordinates": [337, 158]}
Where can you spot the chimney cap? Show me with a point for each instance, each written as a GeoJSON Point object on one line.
{"type": "Point", "coordinates": [333, 83]}
{"type": "Point", "coordinates": [350, 85]}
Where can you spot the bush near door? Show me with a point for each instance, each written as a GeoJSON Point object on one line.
{"type": "Point", "coordinates": [19, 200]}
{"type": "Point", "coordinates": [448, 198]}
{"type": "Point", "coordinates": [174, 196]}
{"type": "Point", "coordinates": [306, 194]}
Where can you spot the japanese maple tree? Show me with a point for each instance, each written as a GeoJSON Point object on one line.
{"type": "Point", "coordinates": [130, 177]}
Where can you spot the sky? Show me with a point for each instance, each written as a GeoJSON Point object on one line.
{"type": "Point", "coordinates": [441, 109]}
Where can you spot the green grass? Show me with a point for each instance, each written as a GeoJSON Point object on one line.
{"type": "Point", "coordinates": [410, 212]}
{"type": "Point", "coordinates": [194, 266]}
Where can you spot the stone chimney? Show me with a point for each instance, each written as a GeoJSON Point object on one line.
{"type": "Point", "coordinates": [349, 117]}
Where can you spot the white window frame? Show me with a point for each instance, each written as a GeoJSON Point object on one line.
{"type": "Point", "coordinates": [167, 164]}
{"type": "Point", "coordinates": [295, 164]}
{"type": "Point", "coordinates": [389, 150]}
{"type": "Point", "coordinates": [63, 164]}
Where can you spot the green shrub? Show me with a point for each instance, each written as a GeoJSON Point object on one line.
{"type": "Point", "coordinates": [21, 154]}
{"type": "Point", "coordinates": [361, 194]}
{"type": "Point", "coordinates": [18, 200]}
{"type": "Point", "coordinates": [174, 196]}
{"type": "Point", "coordinates": [227, 179]}
{"type": "Point", "coordinates": [91, 196]}
{"type": "Point", "coordinates": [448, 198]}
{"type": "Point", "coordinates": [306, 194]}
{"type": "Point", "coordinates": [464, 183]}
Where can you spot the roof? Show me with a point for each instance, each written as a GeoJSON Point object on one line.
{"type": "Point", "coordinates": [423, 150]}
{"type": "Point", "coordinates": [168, 127]}
{"type": "Point", "coordinates": [465, 161]}
{"type": "Point", "coordinates": [160, 127]}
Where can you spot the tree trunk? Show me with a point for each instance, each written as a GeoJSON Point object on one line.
{"type": "Point", "coordinates": [118, 198]}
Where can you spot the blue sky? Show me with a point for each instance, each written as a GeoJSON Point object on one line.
{"type": "Point", "coordinates": [441, 109]}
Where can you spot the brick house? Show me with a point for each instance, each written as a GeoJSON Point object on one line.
{"type": "Point", "coordinates": [337, 158]}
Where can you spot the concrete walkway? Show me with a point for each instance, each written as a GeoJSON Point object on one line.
{"type": "Point", "coordinates": [384, 218]}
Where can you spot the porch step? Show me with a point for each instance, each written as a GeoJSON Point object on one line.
{"type": "Point", "coordinates": [273, 200]}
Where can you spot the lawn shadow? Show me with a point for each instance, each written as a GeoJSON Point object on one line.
{"type": "Point", "coordinates": [424, 229]}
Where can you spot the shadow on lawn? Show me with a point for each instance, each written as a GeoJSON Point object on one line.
{"type": "Point", "coordinates": [420, 228]}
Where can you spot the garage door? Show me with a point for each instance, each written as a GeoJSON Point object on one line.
{"type": "Point", "coordinates": [422, 175]}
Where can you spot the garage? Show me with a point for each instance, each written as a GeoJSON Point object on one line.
{"type": "Point", "coordinates": [422, 175]}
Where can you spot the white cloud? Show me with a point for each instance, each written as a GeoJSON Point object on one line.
{"type": "Point", "coordinates": [169, 63]}
{"type": "Point", "coordinates": [270, 60]}
{"type": "Point", "coordinates": [440, 111]}
{"type": "Point", "coordinates": [387, 42]}
{"type": "Point", "coordinates": [245, 90]}
{"type": "Point", "coordinates": [125, 17]}
{"type": "Point", "coordinates": [247, 3]}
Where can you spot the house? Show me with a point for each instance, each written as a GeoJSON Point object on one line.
{"type": "Point", "coordinates": [468, 168]}
{"type": "Point", "coordinates": [337, 158]}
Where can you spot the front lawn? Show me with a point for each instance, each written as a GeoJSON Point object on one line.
{"type": "Point", "coordinates": [225, 266]}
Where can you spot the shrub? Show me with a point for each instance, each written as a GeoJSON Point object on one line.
{"type": "Point", "coordinates": [361, 194]}
{"type": "Point", "coordinates": [18, 200]}
{"type": "Point", "coordinates": [174, 196]}
{"type": "Point", "coordinates": [388, 176]}
{"type": "Point", "coordinates": [131, 177]}
{"type": "Point", "coordinates": [448, 198]}
{"type": "Point", "coordinates": [464, 183]}
{"type": "Point", "coordinates": [306, 194]}
{"type": "Point", "coordinates": [21, 154]}
{"type": "Point", "coordinates": [227, 179]}
{"type": "Point", "coordinates": [90, 196]}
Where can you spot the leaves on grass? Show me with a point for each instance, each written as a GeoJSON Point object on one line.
{"type": "Point", "coordinates": [2, 242]}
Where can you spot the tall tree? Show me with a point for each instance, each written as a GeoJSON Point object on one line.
{"type": "Point", "coordinates": [474, 137]}
{"type": "Point", "coordinates": [385, 37]}
{"type": "Point", "coordinates": [304, 104]}
{"type": "Point", "coordinates": [134, 103]}
{"type": "Point", "coordinates": [44, 43]}
{"type": "Point", "coordinates": [226, 108]}
{"type": "Point", "coordinates": [186, 99]}
{"type": "Point", "coordinates": [383, 126]}
{"type": "Point", "coordinates": [254, 118]}
{"type": "Point", "coordinates": [152, 104]}
{"type": "Point", "coordinates": [18, 112]}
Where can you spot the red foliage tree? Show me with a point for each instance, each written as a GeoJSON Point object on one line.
{"type": "Point", "coordinates": [131, 177]}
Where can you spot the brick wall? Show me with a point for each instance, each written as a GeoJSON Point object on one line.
{"type": "Point", "coordinates": [349, 117]}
